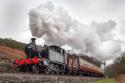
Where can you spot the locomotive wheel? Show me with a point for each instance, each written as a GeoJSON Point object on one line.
{"type": "Point", "coordinates": [62, 73]}
{"type": "Point", "coordinates": [35, 69]}
{"type": "Point", "coordinates": [70, 72]}
{"type": "Point", "coordinates": [49, 69]}
{"type": "Point", "coordinates": [52, 72]}
{"type": "Point", "coordinates": [57, 70]}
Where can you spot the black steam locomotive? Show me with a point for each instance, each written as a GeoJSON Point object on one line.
{"type": "Point", "coordinates": [55, 60]}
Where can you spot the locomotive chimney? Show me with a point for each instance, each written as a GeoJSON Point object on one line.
{"type": "Point", "coordinates": [33, 40]}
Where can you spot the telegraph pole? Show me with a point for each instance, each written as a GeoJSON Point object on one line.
{"type": "Point", "coordinates": [104, 63]}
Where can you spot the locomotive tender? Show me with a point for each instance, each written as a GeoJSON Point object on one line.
{"type": "Point", "coordinates": [55, 60]}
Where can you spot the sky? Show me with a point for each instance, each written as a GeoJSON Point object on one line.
{"type": "Point", "coordinates": [104, 17]}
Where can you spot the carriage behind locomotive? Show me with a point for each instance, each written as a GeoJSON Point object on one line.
{"type": "Point", "coordinates": [55, 60]}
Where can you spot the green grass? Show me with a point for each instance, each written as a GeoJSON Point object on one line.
{"type": "Point", "coordinates": [105, 81]}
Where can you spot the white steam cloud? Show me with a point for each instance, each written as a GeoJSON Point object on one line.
{"type": "Point", "coordinates": [57, 27]}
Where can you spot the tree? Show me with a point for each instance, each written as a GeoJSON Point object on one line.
{"type": "Point", "coordinates": [118, 67]}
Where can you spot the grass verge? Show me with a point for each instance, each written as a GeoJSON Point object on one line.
{"type": "Point", "coordinates": [105, 81]}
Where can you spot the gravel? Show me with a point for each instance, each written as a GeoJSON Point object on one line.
{"type": "Point", "coordinates": [40, 78]}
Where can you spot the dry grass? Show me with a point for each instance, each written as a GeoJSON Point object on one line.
{"type": "Point", "coordinates": [7, 56]}
{"type": "Point", "coordinates": [120, 78]}
{"type": "Point", "coordinates": [11, 53]}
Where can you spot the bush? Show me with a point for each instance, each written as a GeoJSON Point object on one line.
{"type": "Point", "coordinates": [12, 43]}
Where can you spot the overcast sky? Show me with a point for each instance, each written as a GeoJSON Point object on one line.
{"type": "Point", "coordinates": [14, 18]}
{"type": "Point", "coordinates": [14, 13]}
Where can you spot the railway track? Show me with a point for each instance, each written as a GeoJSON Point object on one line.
{"type": "Point", "coordinates": [40, 78]}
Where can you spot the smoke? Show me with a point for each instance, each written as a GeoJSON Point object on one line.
{"type": "Point", "coordinates": [56, 26]}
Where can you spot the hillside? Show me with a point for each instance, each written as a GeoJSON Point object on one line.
{"type": "Point", "coordinates": [8, 42]}
{"type": "Point", "coordinates": [11, 48]}
{"type": "Point", "coordinates": [7, 57]}
{"type": "Point", "coordinates": [9, 51]}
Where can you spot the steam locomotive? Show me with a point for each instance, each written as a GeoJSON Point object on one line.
{"type": "Point", "coordinates": [55, 60]}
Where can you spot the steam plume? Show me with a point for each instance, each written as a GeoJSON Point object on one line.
{"type": "Point", "coordinates": [57, 27]}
